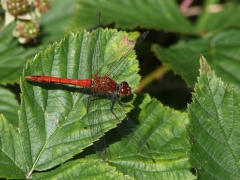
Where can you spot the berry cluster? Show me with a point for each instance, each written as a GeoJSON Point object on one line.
{"type": "Point", "coordinates": [25, 12]}
{"type": "Point", "coordinates": [17, 7]}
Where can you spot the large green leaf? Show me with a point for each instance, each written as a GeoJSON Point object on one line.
{"type": "Point", "coordinates": [165, 131]}
{"type": "Point", "coordinates": [9, 106]}
{"type": "Point", "coordinates": [222, 52]}
{"type": "Point", "coordinates": [54, 127]}
{"type": "Point", "coordinates": [214, 127]}
{"type": "Point", "coordinates": [53, 124]}
{"type": "Point", "coordinates": [131, 13]}
{"type": "Point", "coordinates": [12, 162]}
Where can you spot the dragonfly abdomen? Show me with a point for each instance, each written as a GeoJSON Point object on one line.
{"type": "Point", "coordinates": [50, 79]}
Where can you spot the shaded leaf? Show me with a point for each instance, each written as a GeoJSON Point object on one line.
{"type": "Point", "coordinates": [12, 57]}
{"type": "Point", "coordinates": [56, 22]}
{"type": "Point", "coordinates": [214, 127]}
{"type": "Point", "coordinates": [130, 14]}
{"type": "Point", "coordinates": [213, 22]}
{"type": "Point", "coordinates": [9, 106]}
{"type": "Point", "coordinates": [222, 52]}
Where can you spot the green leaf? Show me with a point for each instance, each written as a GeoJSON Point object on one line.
{"type": "Point", "coordinates": [9, 106]}
{"type": "Point", "coordinates": [165, 131]}
{"type": "Point", "coordinates": [12, 164]}
{"type": "Point", "coordinates": [53, 122]}
{"type": "Point", "coordinates": [222, 52]}
{"type": "Point", "coordinates": [213, 22]}
{"type": "Point", "coordinates": [130, 14]}
{"type": "Point", "coordinates": [83, 169]}
{"type": "Point", "coordinates": [54, 126]}
{"type": "Point", "coordinates": [56, 22]}
{"type": "Point", "coordinates": [214, 127]}
{"type": "Point", "coordinates": [12, 57]}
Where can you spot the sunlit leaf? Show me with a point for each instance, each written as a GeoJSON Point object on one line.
{"type": "Point", "coordinates": [214, 127]}
{"type": "Point", "coordinates": [165, 131]}
{"type": "Point", "coordinates": [12, 162]}
{"type": "Point", "coordinates": [83, 169]}
{"type": "Point", "coordinates": [53, 122]}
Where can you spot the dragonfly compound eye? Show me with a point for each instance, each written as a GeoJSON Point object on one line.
{"type": "Point", "coordinates": [125, 89]}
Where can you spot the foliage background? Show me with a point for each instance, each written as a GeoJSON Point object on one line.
{"type": "Point", "coordinates": [168, 57]}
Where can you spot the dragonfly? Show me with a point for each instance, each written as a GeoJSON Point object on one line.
{"type": "Point", "coordinates": [104, 85]}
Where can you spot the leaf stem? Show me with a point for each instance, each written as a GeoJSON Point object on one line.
{"type": "Point", "coordinates": [29, 173]}
{"type": "Point", "coordinates": [157, 74]}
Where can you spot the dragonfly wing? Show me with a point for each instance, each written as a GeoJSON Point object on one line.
{"type": "Point", "coordinates": [96, 21]}
{"type": "Point", "coordinates": [96, 52]}
{"type": "Point", "coordinates": [130, 131]}
{"type": "Point", "coordinates": [96, 128]}
{"type": "Point", "coordinates": [135, 142]}
{"type": "Point", "coordinates": [126, 48]}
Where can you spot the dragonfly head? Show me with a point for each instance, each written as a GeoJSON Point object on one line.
{"type": "Point", "coordinates": [124, 89]}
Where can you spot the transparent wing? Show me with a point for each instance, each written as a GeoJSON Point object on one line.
{"type": "Point", "coordinates": [95, 42]}
{"type": "Point", "coordinates": [96, 21]}
{"type": "Point", "coordinates": [96, 52]}
{"type": "Point", "coordinates": [135, 140]}
{"type": "Point", "coordinates": [123, 52]}
{"type": "Point", "coordinates": [96, 128]}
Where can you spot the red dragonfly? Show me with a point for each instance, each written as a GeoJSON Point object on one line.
{"type": "Point", "coordinates": [106, 86]}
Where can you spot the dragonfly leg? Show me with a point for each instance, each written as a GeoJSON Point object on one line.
{"type": "Point", "coordinates": [128, 129]}
{"type": "Point", "coordinates": [90, 100]}
{"type": "Point", "coordinates": [129, 122]}
{"type": "Point", "coordinates": [113, 100]}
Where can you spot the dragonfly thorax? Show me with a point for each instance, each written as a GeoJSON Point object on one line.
{"type": "Point", "coordinates": [106, 85]}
